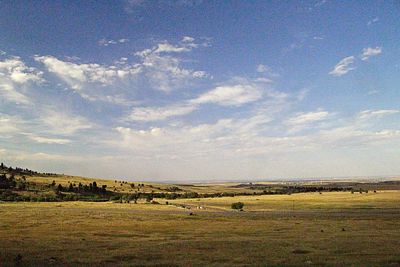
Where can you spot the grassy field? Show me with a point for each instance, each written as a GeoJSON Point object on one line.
{"type": "Point", "coordinates": [335, 229]}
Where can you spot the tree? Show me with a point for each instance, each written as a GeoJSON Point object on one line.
{"type": "Point", "coordinates": [237, 205]}
{"type": "Point", "coordinates": [59, 188]}
{"type": "Point", "coordinates": [149, 197]}
{"type": "Point", "coordinates": [134, 197]}
{"type": "Point", "coordinates": [104, 189]}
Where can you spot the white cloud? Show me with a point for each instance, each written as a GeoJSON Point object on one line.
{"type": "Point", "coordinates": [343, 66]}
{"type": "Point", "coordinates": [187, 39]}
{"type": "Point", "coordinates": [370, 52]}
{"type": "Point", "coordinates": [369, 114]}
{"type": "Point", "coordinates": [373, 92]}
{"type": "Point", "coordinates": [351, 136]}
{"type": "Point", "coordinates": [46, 140]}
{"type": "Point", "coordinates": [372, 21]}
{"type": "Point", "coordinates": [77, 74]}
{"type": "Point", "coordinates": [226, 135]}
{"type": "Point", "coordinates": [306, 119]}
{"type": "Point", "coordinates": [346, 64]}
{"type": "Point", "coordinates": [160, 113]}
{"type": "Point", "coordinates": [187, 44]}
{"type": "Point", "coordinates": [38, 129]}
{"type": "Point", "coordinates": [8, 92]}
{"type": "Point", "coordinates": [18, 72]}
{"type": "Point", "coordinates": [237, 92]}
{"type": "Point", "coordinates": [107, 42]}
{"type": "Point", "coordinates": [64, 124]}
{"type": "Point", "coordinates": [231, 95]}
{"type": "Point", "coordinates": [8, 124]}
{"type": "Point", "coordinates": [16, 77]}
{"type": "Point", "coordinates": [159, 68]}
{"type": "Point", "coordinates": [83, 78]}
{"type": "Point", "coordinates": [266, 71]}
{"type": "Point", "coordinates": [253, 135]}
{"type": "Point", "coordinates": [263, 68]}
{"type": "Point", "coordinates": [164, 71]}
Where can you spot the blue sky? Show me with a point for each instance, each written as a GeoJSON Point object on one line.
{"type": "Point", "coordinates": [201, 90]}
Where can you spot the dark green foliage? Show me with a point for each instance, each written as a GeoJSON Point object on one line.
{"type": "Point", "coordinates": [149, 197]}
{"type": "Point", "coordinates": [60, 188]}
{"type": "Point", "coordinates": [237, 205]}
{"type": "Point", "coordinates": [174, 189]}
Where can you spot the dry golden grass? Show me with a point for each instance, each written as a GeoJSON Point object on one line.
{"type": "Point", "coordinates": [325, 201]}
{"type": "Point", "coordinates": [119, 185]}
{"type": "Point", "coordinates": [335, 229]}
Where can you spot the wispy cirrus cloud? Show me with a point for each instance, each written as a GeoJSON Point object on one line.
{"type": "Point", "coordinates": [372, 21]}
{"type": "Point", "coordinates": [304, 120]}
{"type": "Point", "coordinates": [236, 93]}
{"type": "Point", "coordinates": [373, 92]}
{"type": "Point", "coordinates": [47, 140]}
{"type": "Point", "coordinates": [46, 127]}
{"type": "Point", "coordinates": [369, 114]}
{"type": "Point", "coordinates": [89, 80]}
{"type": "Point", "coordinates": [107, 42]}
{"type": "Point", "coordinates": [250, 136]}
{"type": "Point", "coordinates": [370, 52]}
{"type": "Point", "coordinates": [164, 69]}
{"type": "Point", "coordinates": [8, 124]}
{"type": "Point", "coordinates": [231, 95]}
{"type": "Point", "coordinates": [343, 66]}
{"type": "Point", "coordinates": [77, 75]}
{"type": "Point", "coordinates": [63, 123]}
{"type": "Point", "coordinates": [347, 64]}
{"type": "Point", "coordinates": [252, 118]}
{"type": "Point", "coordinates": [16, 78]}
{"type": "Point", "coordinates": [160, 113]}
{"type": "Point", "coordinates": [157, 68]}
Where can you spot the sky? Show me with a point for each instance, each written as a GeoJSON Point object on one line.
{"type": "Point", "coordinates": [193, 90]}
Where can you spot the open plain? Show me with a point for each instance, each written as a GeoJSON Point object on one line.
{"type": "Point", "coordinates": [328, 229]}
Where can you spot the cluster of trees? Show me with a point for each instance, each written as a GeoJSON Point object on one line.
{"type": "Point", "coordinates": [80, 188]}
{"type": "Point", "coordinates": [173, 189]}
{"type": "Point", "coordinates": [22, 171]}
{"type": "Point", "coordinates": [11, 182]}
{"type": "Point", "coordinates": [7, 183]}
{"type": "Point", "coordinates": [121, 183]}
{"type": "Point", "coordinates": [293, 189]}
{"type": "Point", "coordinates": [307, 189]}
{"type": "Point", "coordinates": [361, 191]}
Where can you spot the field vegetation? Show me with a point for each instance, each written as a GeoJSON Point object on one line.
{"type": "Point", "coordinates": [102, 223]}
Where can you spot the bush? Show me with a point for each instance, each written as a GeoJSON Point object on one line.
{"type": "Point", "coordinates": [113, 198]}
{"type": "Point", "coordinates": [237, 205]}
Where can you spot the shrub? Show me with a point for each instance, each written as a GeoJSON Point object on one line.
{"type": "Point", "coordinates": [237, 205]}
{"type": "Point", "coordinates": [114, 198]}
